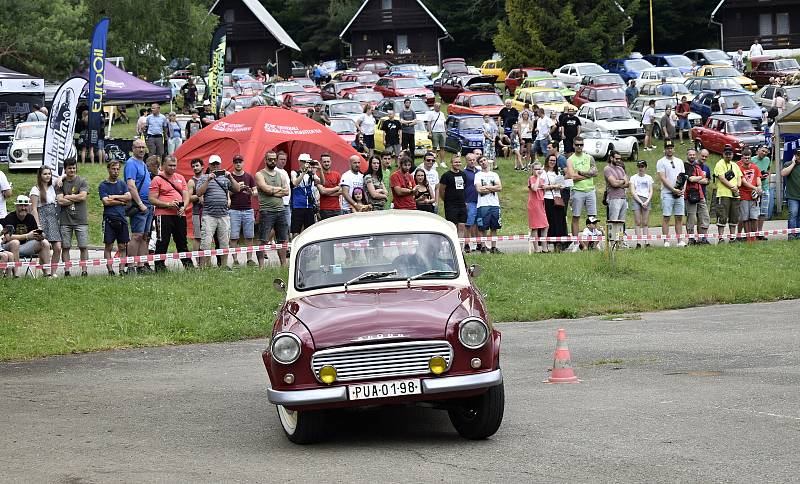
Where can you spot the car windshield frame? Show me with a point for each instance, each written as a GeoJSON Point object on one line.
{"type": "Point", "coordinates": [303, 100]}
{"type": "Point", "coordinates": [786, 64]}
{"type": "Point", "coordinates": [615, 94]}
{"type": "Point", "coordinates": [37, 130]}
{"type": "Point", "coordinates": [551, 83]}
{"type": "Point", "coordinates": [745, 101]}
{"type": "Point", "coordinates": [398, 105]}
{"type": "Point", "coordinates": [407, 83]}
{"type": "Point", "coordinates": [637, 64]}
{"type": "Point", "coordinates": [547, 97]}
{"type": "Point", "coordinates": [305, 82]}
{"type": "Point", "coordinates": [669, 72]}
{"type": "Point", "coordinates": [336, 124]}
{"type": "Point", "coordinates": [792, 93]}
{"type": "Point", "coordinates": [683, 60]}
{"type": "Point", "coordinates": [367, 96]}
{"type": "Point", "coordinates": [590, 69]}
{"type": "Point", "coordinates": [335, 261]}
{"type": "Point", "coordinates": [488, 99]}
{"type": "Point", "coordinates": [466, 124]}
{"type": "Point", "coordinates": [612, 113]}
{"type": "Point", "coordinates": [661, 104]}
{"type": "Point", "coordinates": [723, 83]}
{"type": "Point", "coordinates": [731, 72]}
{"type": "Point", "coordinates": [716, 55]}
{"type": "Point", "coordinates": [739, 125]}
{"type": "Point", "coordinates": [608, 78]}
{"type": "Point", "coordinates": [284, 88]}
{"type": "Point", "coordinates": [337, 109]}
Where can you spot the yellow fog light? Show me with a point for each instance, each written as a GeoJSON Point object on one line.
{"type": "Point", "coordinates": [327, 374]}
{"type": "Point", "coordinates": [437, 365]}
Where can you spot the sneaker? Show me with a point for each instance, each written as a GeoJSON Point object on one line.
{"type": "Point", "coordinates": [84, 274]}
{"type": "Point", "coordinates": [235, 263]}
{"type": "Point", "coordinates": [495, 250]}
{"type": "Point", "coordinates": [681, 244]}
{"type": "Point", "coordinates": [111, 272]}
{"type": "Point", "coordinates": [47, 276]}
{"type": "Point", "coordinates": [638, 246]}
{"type": "Point", "coordinates": [484, 249]}
{"type": "Point", "coordinates": [666, 243]}
{"type": "Point", "coordinates": [66, 273]}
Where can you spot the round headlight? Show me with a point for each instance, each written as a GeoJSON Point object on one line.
{"type": "Point", "coordinates": [286, 348]}
{"type": "Point", "coordinates": [473, 333]}
{"type": "Point", "coordinates": [17, 153]}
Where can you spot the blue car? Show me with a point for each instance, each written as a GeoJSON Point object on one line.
{"type": "Point", "coordinates": [701, 104]}
{"type": "Point", "coordinates": [627, 68]}
{"type": "Point", "coordinates": [464, 133]}
{"type": "Point", "coordinates": [679, 61]}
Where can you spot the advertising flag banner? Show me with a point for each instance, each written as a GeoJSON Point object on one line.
{"type": "Point", "coordinates": [217, 70]}
{"type": "Point", "coordinates": [97, 61]}
{"type": "Point", "coordinates": [60, 128]}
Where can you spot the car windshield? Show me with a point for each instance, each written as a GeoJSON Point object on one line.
{"type": "Point", "coordinates": [670, 73]}
{"type": "Point", "coordinates": [310, 100]}
{"type": "Point", "coordinates": [610, 94]}
{"type": "Point", "coordinates": [456, 67]}
{"type": "Point", "coordinates": [725, 71]}
{"type": "Point", "coordinates": [535, 73]}
{"type": "Point", "coordinates": [343, 126]}
{"type": "Point", "coordinates": [367, 96]}
{"type": "Point", "coordinates": [741, 126]}
{"type": "Point", "coordinates": [745, 101]}
{"type": "Point", "coordinates": [340, 86]}
{"type": "Point", "coordinates": [485, 100]}
{"type": "Point", "coordinates": [723, 83]}
{"type": "Point", "coordinates": [548, 97]}
{"type": "Point", "coordinates": [787, 64]}
{"type": "Point", "coordinates": [373, 78]}
{"type": "Point", "coordinates": [283, 88]}
{"type": "Point", "coordinates": [407, 84]}
{"type": "Point", "coordinates": [30, 131]}
{"type": "Point", "coordinates": [608, 79]}
{"type": "Point", "coordinates": [661, 104]}
{"type": "Point", "coordinates": [612, 113]}
{"type": "Point", "coordinates": [417, 105]}
{"type": "Point", "coordinates": [678, 60]}
{"type": "Point", "coordinates": [638, 64]}
{"type": "Point", "coordinates": [305, 82]}
{"type": "Point", "coordinates": [406, 67]}
{"type": "Point", "coordinates": [343, 260]}
{"type": "Point", "coordinates": [551, 83]}
{"type": "Point", "coordinates": [590, 69]}
{"type": "Point", "coordinates": [347, 108]}
{"type": "Point", "coordinates": [471, 123]}
{"type": "Point", "coordinates": [793, 93]}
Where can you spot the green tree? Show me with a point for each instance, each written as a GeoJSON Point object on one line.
{"type": "Point", "coordinates": [472, 24]}
{"type": "Point", "coordinates": [43, 37]}
{"type": "Point", "coordinates": [550, 33]}
{"type": "Point", "coordinates": [678, 26]}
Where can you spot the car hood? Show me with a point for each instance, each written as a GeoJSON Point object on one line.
{"type": "Point", "coordinates": [750, 138]}
{"type": "Point", "coordinates": [611, 125]}
{"type": "Point", "coordinates": [491, 110]}
{"type": "Point", "coordinates": [28, 144]}
{"type": "Point", "coordinates": [413, 90]}
{"type": "Point", "coordinates": [340, 318]}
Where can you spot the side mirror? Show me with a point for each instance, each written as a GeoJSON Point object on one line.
{"type": "Point", "coordinates": [279, 285]}
{"type": "Point", "coordinates": [475, 270]}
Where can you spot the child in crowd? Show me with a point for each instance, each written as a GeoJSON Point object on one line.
{"type": "Point", "coordinates": [642, 192]}
{"type": "Point", "coordinates": [362, 205]}
{"type": "Point", "coordinates": [591, 230]}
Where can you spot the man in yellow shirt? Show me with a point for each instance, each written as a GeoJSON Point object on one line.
{"type": "Point", "coordinates": [729, 179]}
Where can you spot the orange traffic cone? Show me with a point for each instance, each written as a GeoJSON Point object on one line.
{"type": "Point", "coordinates": [562, 367]}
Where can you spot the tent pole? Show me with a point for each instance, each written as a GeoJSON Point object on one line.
{"type": "Point", "coordinates": [110, 121]}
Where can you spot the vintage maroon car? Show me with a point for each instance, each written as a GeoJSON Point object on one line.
{"type": "Point", "coordinates": [300, 102]}
{"type": "Point", "coordinates": [452, 86]}
{"type": "Point", "coordinates": [476, 103]}
{"type": "Point", "coordinates": [728, 129]}
{"type": "Point", "coordinates": [379, 67]}
{"type": "Point", "coordinates": [515, 77]}
{"type": "Point", "coordinates": [769, 68]}
{"type": "Point", "coordinates": [365, 78]}
{"type": "Point", "coordinates": [404, 87]}
{"type": "Point", "coordinates": [381, 309]}
{"type": "Point", "coordinates": [600, 93]}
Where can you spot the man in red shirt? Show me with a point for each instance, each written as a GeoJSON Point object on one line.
{"type": "Point", "coordinates": [750, 192]}
{"type": "Point", "coordinates": [682, 110]}
{"type": "Point", "coordinates": [169, 193]}
{"type": "Point", "coordinates": [329, 190]}
{"type": "Point", "coordinates": [402, 183]}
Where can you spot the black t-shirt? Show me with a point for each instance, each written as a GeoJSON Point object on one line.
{"type": "Point", "coordinates": [20, 227]}
{"type": "Point", "coordinates": [571, 125]}
{"type": "Point", "coordinates": [454, 185]}
{"type": "Point", "coordinates": [392, 129]}
{"type": "Point", "coordinates": [208, 116]}
{"type": "Point", "coordinates": [189, 91]}
{"type": "Point", "coordinates": [510, 116]}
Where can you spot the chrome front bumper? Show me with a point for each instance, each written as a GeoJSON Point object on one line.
{"type": "Point", "coordinates": [430, 386]}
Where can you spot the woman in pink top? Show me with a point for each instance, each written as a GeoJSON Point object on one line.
{"type": "Point", "coordinates": [537, 218]}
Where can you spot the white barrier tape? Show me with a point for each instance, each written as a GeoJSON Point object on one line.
{"type": "Point", "coordinates": [287, 245]}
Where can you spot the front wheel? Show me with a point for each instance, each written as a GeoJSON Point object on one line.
{"type": "Point", "coordinates": [608, 151]}
{"type": "Point", "coordinates": [479, 417]}
{"type": "Point", "coordinates": [302, 427]}
{"type": "Point", "coordinates": [698, 145]}
{"type": "Point", "coordinates": [634, 152]}
{"type": "Point", "coordinates": [656, 131]}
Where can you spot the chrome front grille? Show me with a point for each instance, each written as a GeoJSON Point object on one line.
{"type": "Point", "coordinates": [381, 360]}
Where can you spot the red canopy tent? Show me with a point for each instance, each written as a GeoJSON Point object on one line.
{"type": "Point", "coordinates": [254, 131]}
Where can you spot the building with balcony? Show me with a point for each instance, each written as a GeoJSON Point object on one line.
{"type": "Point", "coordinates": [775, 22]}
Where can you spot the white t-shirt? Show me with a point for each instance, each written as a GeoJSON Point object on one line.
{"type": "Point", "coordinates": [487, 178]}
{"type": "Point", "coordinates": [285, 177]}
{"type": "Point", "coordinates": [756, 49]}
{"type": "Point", "coordinates": [432, 176]}
{"type": "Point", "coordinates": [4, 185]}
{"type": "Point", "coordinates": [587, 232]}
{"type": "Point", "coordinates": [647, 115]}
{"type": "Point", "coordinates": [436, 121]}
{"type": "Point", "coordinates": [670, 168]}
{"type": "Point", "coordinates": [51, 195]}
{"type": "Point", "coordinates": [641, 185]}
{"type": "Point", "coordinates": [367, 124]}
{"type": "Point", "coordinates": [350, 180]}
{"type": "Point", "coordinates": [552, 178]}
{"type": "Point", "coordinates": [543, 128]}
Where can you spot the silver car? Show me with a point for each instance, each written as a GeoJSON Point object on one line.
{"type": "Point", "coordinates": [638, 105]}
{"type": "Point", "coordinates": [764, 96]}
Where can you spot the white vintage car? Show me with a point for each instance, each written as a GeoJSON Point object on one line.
{"type": "Point", "coordinates": [609, 117]}
{"type": "Point", "coordinates": [27, 146]}
{"type": "Point", "coordinates": [600, 143]}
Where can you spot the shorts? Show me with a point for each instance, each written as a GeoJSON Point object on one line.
{"type": "Point", "coordinates": [540, 146]}
{"type": "Point", "coordinates": [697, 212]}
{"type": "Point", "coordinates": [115, 230]}
{"type": "Point", "coordinates": [81, 234]}
{"type": "Point", "coordinates": [287, 213]}
{"type": "Point", "coordinates": [219, 226]}
{"type": "Point", "coordinates": [325, 214]}
{"type": "Point", "coordinates": [637, 207]}
{"type": "Point", "coordinates": [568, 148]}
{"type": "Point", "coordinates": [393, 149]}
{"type": "Point", "coordinates": [456, 214]}
{"type": "Point", "coordinates": [683, 124]}
{"type": "Point", "coordinates": [369, 141]}
{"type": "Point", "coordinates": [28, 249]}
{"type": "Point", "coordinates": [672, 206]}
{"type": "Point", "coordinates": [765, 203]}
{"type": "Point", "coordinates": [617, 207]}
{"type": "Point", "coordinates": [488, 218]}
{"type": "Point", "coordinates": [243, 221]}
{"type": "Point", "coordinates": [581, 199]}
{"type": "Point", "coordinates": [274, 221]}
{"type": "Point", "coordinates": [648, 129]}
{"type": "Point", "coordinates": [749, 210]}
{"type": "Point", "coordinates": [727, 211]}
{"type": "Point", "coordinates": [472, 213]}
{"type": "Point", "coordinates": [437, 140]}
{"type": "Point", "coordinates": [142, 223]}
{"type": "Point", "coordinates": [197, 225]}
{"type": "Point", "coordinates": [302, 218]}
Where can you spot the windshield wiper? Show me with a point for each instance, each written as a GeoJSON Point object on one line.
{"type": "Point", "coordinates": [369, 276]}
{"type": "Point", "coordinates": [432, 272]}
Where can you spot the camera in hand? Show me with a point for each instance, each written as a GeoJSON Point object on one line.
{"type": "Point", "coordinates": [680, 182]}
{"type": "Point", "coordinates": [219, 172]}
{"type": "Point", "coordinates": [180, 205]}
{"type": "Point", "coordinates": [8, 230]}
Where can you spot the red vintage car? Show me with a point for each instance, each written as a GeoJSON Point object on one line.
{"type": "Point", "coordinates": [378, 67]}
{"type": "Point", "coordinates": [454, 85]}
{"type": "Point", "coordinates": [515, 77]}
{"type": "Point", "coordinates": [476, 103]}
{"type": "Point", "coordinates": [404, 87]}
{"type": "Point", "coordinates": [307, 84]}
{"type": "Point", "coordinates": [364, 78]}
{"type": "Point", "coordinates": [728, 129]}
{"type": "Point", "coordinates": [381, 309]}
{"type": "Point", "coordinates": [333, 90]}
{"type": "Point", "coordinates": [597, 93]}
{"type": "Point", "coordinates": [300, 102]}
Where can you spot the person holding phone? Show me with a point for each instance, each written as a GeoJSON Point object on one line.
{"type": "Point", "coordinates": [216, 190]}
{"type": "Point", "coordinates": [22, 237]}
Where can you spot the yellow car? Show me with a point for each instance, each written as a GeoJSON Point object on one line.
{"type": "Point", "coordinates": [493, 68]}
{"type": "Point", "coordinates": [719, 70]}
{"type": "Point", "coordinates": [544, 97]}
{"type": "Point", "coordinates": [422, 144]}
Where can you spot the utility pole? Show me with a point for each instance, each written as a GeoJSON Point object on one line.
{"type": "Point", "coordinates": [652, 44]}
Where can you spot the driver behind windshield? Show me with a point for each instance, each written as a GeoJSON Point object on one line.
{"type": "Point", "coordinates": [424, 258]}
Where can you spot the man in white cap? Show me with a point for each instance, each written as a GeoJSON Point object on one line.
{"type": "Point", "coordinates": [22, 236]}
{"type": "Point", "coordinates": [215, 189]}
{"type": "Point", "coordinates": [207, 115]}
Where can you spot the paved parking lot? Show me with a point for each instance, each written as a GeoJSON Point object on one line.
{"type": "Point", "coordinates": [708, 394]}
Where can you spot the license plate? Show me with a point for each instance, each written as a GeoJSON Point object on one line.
{"type": "Point", "coordinates": [385, 389]}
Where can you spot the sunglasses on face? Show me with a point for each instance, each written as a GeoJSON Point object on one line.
{"type": "Point", "coordinates": [272, 159]}
{"type": "Point", "coordinates": [578, 144]}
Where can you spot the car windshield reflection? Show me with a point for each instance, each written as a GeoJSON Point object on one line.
{"type": "Point", "coordinates": [335, 262]}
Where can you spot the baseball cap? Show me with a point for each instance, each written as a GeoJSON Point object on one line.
{"type": "Point", "coordinates": [727, 149]}
{"type": "Point", "coordinates": [304, 157]}
{"type": "Point", "coordinates": [669, 144]}
{"type": "Point", "coordinates": [214, 159]}
{"type": "Point", "coordinates": [641, 163]}
{"type": "Point", "coordinates": [238, 158]}
{"type": "Point", "coordinates": [22, 200]}
{"type": "Point", "coordinates": [591, 219]}
{"type": "Point", "coordinates": [206, 103]}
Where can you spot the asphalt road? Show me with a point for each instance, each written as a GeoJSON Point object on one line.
{"type": "Point", "coordinates": [710, 394]}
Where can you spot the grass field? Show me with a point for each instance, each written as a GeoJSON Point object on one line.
{"type": "Point", "coordinates": [66, 315]}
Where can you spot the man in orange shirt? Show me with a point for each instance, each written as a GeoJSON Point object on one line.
{"type": "Point", "coordinates": [169, 194]}
{"type": "Point", "coordinates": [402, 183]}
